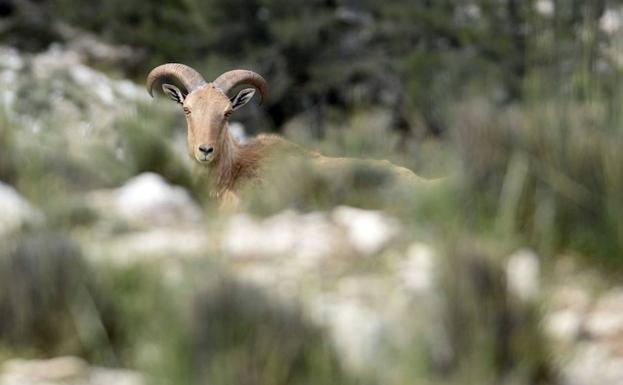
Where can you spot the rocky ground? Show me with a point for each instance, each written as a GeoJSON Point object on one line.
{"type": "Point", "coordinates": [308, 259]}
{"type": "Point", "coordinates": [358, 274]}
{"type": "Point", "coordinates": [64, 370]}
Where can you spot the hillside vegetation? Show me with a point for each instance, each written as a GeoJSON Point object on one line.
{"type": "Point", "coordinates": [506, 271]}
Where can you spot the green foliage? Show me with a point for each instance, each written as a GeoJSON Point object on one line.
{"type": "Point", "coordinates": [242, 336]}
{"type": "Point", "coordinates": [154, 320]}
{"type": "Point", "coordinates": [504, 343]}
{"type": "Point", "coordinates": [534, 158]}
{"type": "Point", "coordinates": [49, 302]}
{"type": "Point", "coordinates": [147, 141]}
{"type": "Point", "coordinates": [7, 156]}
{"type": "Point", "coordinates": [548, 172]}
{"type": "Point", "coordinates": [417, 57]}
{"type": "Point", "coordinates": [296, 183]}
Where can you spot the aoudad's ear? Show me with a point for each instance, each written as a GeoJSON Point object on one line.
{"type": "Point", "coordinates": [174, 93]}
{"type": "Point", "coordinates": [242, 98]}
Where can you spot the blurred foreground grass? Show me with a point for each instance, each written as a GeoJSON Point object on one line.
{"type": "Point", "coordinates": [546, 173]}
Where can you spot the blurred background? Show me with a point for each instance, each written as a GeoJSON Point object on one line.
{"type": "Point", "coordinates": [116, 268]}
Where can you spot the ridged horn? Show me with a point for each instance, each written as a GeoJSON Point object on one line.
{"type": "Point", "coordinates": [187, 76]}
{"type": "Point", "coordinates": [231, 79]}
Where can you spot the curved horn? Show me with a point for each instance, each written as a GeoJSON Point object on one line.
{"type": "Point", "coordinates": [187, 76]}
{"type": "Point", "coordinates": [230, 79]}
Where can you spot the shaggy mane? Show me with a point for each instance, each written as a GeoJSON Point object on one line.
{"type": "Point", "coordinates": [242, 162]}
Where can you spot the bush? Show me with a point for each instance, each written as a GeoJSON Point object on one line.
{"type": "Point", "coordinates": [244, 337]}
{"type": "Point", "coordinates": [549, 173]}
{"type": "Point", "coordinates": [50, 303]}
{"type": "Point", "coordinates": [493, 336]}
{"type": "Point", "coordinates": [8, 170]}
{"type": "Point", "coordinates": [147, 140]}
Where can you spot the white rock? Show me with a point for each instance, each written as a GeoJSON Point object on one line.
{"type": "Point", "coordinates": [368, 231]}
{"type": "Point", "coordinates": [593, 364]}
{"type": "Point", "coordinates": [610, 22]}
{"type": "Point", "coordinates": [470, 11]}
{"type": "Point", "coordinates": [523, 274]}
{"type": "Point", "coordinates": [606, 318]}
{"type": "Point", "coordinates": [106, 376]}
{"type": "Point", "coordinates": [42, 371]}
{"type": "Point", "coordinates": [129, 90]}
{"type": "Point", "coordinates": [545, 7]}
{"type": "Point", "coordinates": [564, 325]}
{"type": "Point", "coordinates": [148, 198]}
{"type": "Point", "coordinates": [356, 330]}
{"type": "Point", "coordinates": [473, 11]}
{"type": "Point", "coordinates": [571, 297]}
{"type": "Point", "coordinates": [64, 371]}
{"type": "Point", "coordinates": [247, 237]}
{"type": "Point", "coordinates": [596, 358]}
{"type": "Point", "coordinates": [418, 271]}
{"type": "Point", "coordinates": [567, 309]}
{"type": "Point", "coordinates": [10, 59]}
{"type": "Point", "coordinates": [311, 237]}
{"type": "Point", "coordinates": [154, 244]}
{"type": "Point", "coordinates": [99, 84]}
{"type": "Point", "coordinates": [46, 64]}
{"type": "Point", "coordinates": [307, 237]}
{"type": "Point", "coordinates": [15, 211]}
{"type": "Point", "coordinates": [71, 92]}
{"type": "Point", "coordinates": [10, 64]}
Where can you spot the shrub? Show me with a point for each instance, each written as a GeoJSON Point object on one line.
{"type": "Point", "coordinates": [50, 303]}
{"type": "Point", "coordinates": [549, 173]}
{"type": "Point", "coordinates": [245, 337]}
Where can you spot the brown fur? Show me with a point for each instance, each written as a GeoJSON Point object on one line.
{"type": "Point", "coordinates": [231, 164]}
{"type": "Point", "coordinates": [238, 163]}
